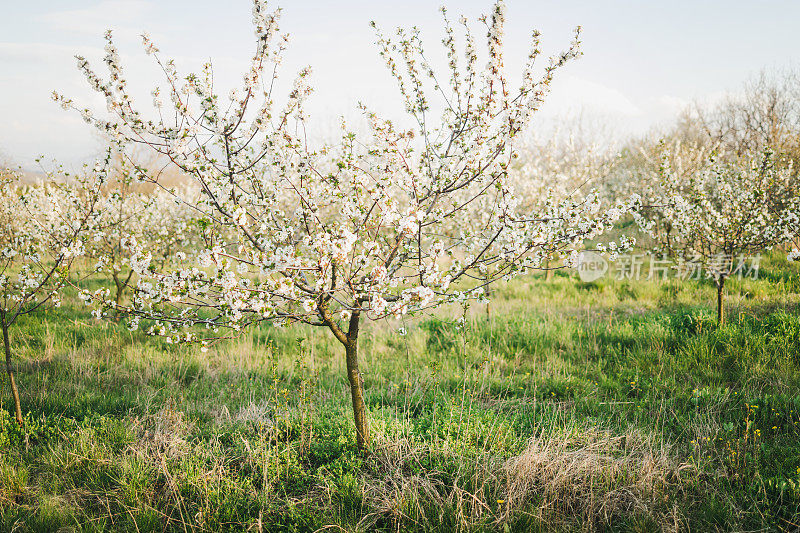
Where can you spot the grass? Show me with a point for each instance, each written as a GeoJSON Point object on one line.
{"type": "Point", "coordinates": [612, 406]}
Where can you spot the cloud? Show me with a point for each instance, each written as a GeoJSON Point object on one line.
{"type": "Point", "coordinates": [572, 92]}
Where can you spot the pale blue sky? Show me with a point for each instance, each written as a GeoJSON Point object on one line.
{"type": "Point", "coordinates": [643, 60]}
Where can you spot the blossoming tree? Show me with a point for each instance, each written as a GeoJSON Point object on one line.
{"type": "Point", "coordinates": [564, 167]}
{"type": "Point", "coordinates": [128, 216]}
{"type": "Point", "coordinates": [725, 209]}
{"type": "Point", "coordinates": [395, 221]}
{"type": "Point", "coordinates": [42, 232]}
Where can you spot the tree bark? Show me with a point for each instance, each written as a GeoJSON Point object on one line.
{"type": "Point", "coordinates": [356, 384]}
{"type": "Point", "coordinates": [721, 302]}
{"type": "Point", "coordinates": [120, 288]}
{"type": "Point", "coordinates": [350, 342]}
{"type": "Point", "coordinates": [10, 371]}
{"type": "Point", "coordinates": [357, 395]}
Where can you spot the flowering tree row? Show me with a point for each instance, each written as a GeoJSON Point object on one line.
{"type": "Point", "coordinates": [400, 219]}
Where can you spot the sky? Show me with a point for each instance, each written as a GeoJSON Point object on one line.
{"type": "Point", "coordinates": [643, 62]}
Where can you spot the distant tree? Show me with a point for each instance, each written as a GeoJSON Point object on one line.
{"type": "Point", "coordinates": [42, 231]}
{"type": "Point", "coordinates": [568, 166]}
{"type": "Point", "coordinates": [129, 217]}
{"type": "Point", "coordinates": [714, 215]}
{"type": "Point", "coordinates": [764, 115]}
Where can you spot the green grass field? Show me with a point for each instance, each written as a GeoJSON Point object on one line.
{"type": "Point", "coordinates": [614, 406]}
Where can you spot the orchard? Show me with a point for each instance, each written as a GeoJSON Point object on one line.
{"type": "Point", "coordinates": [235, 320]}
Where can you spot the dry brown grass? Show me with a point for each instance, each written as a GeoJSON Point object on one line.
{"type": "Point", "coordinates": [596, 477]}
{"type": "Point", "coordinates": [583, 479]}
{"type": "Point", "coordinates": [162, 434]}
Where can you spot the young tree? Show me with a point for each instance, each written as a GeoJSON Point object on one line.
{"type": "Point", "coordinates": [42, 232]}
{"type": "Point", "coordinates": [120, 211]}
{"type": "Point", "coordinates": [126, 215]}
{"type": "Point", "coordinates": [724, 210]}
{"type": "Point", "coordinates": [380, 225]}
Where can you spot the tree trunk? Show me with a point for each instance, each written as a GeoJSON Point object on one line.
{"type": "Point", "coordinates": [118, 297]}
{"type": "Point", "coordinates": [721, 302]}
{"type": "Point", "coordinates": [356, 384]}
{"type": "Point", "coordinates": [350, 342]}
{"type": "Point", "coordinates": [10, 371]}
{"type": "Point", "coordinates": [121, 286]}
{"type": "Point", "coordinates": [357, 395]}
{"type": "Point", "coordinates": [548, 273]}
